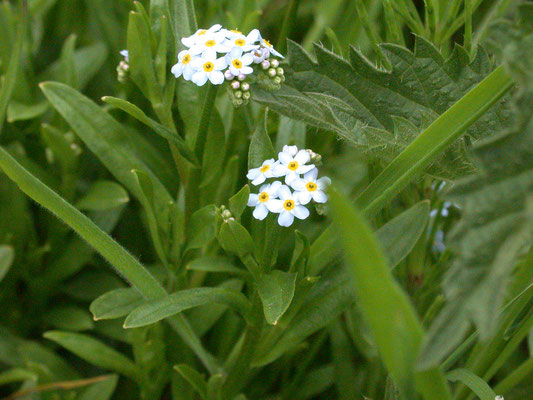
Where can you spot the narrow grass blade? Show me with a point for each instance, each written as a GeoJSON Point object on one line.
{"type": "Point", "coordinates": [386, 308]}
{"type": "Point", "coordinates": [474, 382]}
{"type": "Point", "coordinates": [433, 141]}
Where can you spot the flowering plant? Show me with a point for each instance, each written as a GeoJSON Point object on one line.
{"type": "Point", "coordinates": [278, 198]}
{"type": "Point", "coordinates": [217, 54]}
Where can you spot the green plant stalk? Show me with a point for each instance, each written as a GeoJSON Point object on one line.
{"type": "Point", "coordinates": [433, 141]}
{"type": "Point", "coordinates": [468, 26]}
{"type": "Point", "coordinates": [394, 32]}
{"type": "Point", "coordinates": [372, 35]}
{"type": "Point", "coordinates": [126, 265]}
{"type": "Point", "coordinates": [288, 21]}
{"type": "Point", "coordinates": [524, 371]}
{"type": "Point", "coordinates": [497, 10]}
{"type": "Point", "coordinates": [456, 24]}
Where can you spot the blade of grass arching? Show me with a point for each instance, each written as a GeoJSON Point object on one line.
{"type": "Point", "coordinates": [433, 141]}
{"type": "Point", "coordinates": [474, 382]}
{"type": "Point", "coordinates": [126, 265]}
{"type": "Point", "coordinates": [9, 79]}
{"type": "Point", "coordinates": [393, 322]}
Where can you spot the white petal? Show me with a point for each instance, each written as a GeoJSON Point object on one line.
{"type": "Point", "coordinates": [285, 218]}
{"type": "Point", "coordinates": [260, 212]}
{"type": "Point", "coordinates": [235, 52]}
{"type": "Point", "coordinates": [187, 73]}
{"type": "Point", "coordinates": [247, 70]}
{"type": "Point", "coordinates": [253, 173]}
{"type": "Point", "coordinates": [311, 175]}
{"type": "Point", "coordinates": [303, 169]}
{"type": "Point", "coordinates": [323, 182]}
{"type": "Point", "coordinates": [275, 206]}
{"type": "Point", "coordinates": [299, 184]}
{"type": "Point", "coordinates": [319, 196]}
{"type": "Point", "coordinates": [177, 70]}
{"type": "Point", "coordinates": [274, 188]}
{"type": "Point", "coordinates": [302, 157]}
{"type": "Point", "coordinates": [253, 199]}
{"type": "Point", "coordinates": [304, 197]}
{"type": "Point", "coordinates": [300, 212]}
{"type": "Point", "coordinates": [253, 36]}
{"type": "Point", "coordinates": [214, 28]}
{"type": "Point", "coordinates": [247, 59]}
{"type": "Point", "coordinates": [199, 78]}
{"type": "Point", "coordinates": [292, 150]}
{"type": "Point", "coordinates": [216, 77]}
{"type": "Point", "coordinates": [284, 192]}
{"type": "Point", "coordinates": [264, 187]}
{"type": "Point", "coordinates": [220, 63]}
{"type": "Point", "coordinates": [279, 170]}
{"type": "Point", "coordinates": [291, 175]}
{"type": "Point", "coordinates": [234, 71]}
{"type": "Point", "coordinates": [259, 180]}
{"type": "Point", "coordinates": [188, 41]}
{"type": "Point", "coordinates": [285, 157]}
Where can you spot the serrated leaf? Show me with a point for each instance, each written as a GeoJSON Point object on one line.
{"type": "Point", "coordinates": [94, 352]}
{"type": "Point", "coordinates": [103, 195]}
{"type": "Point", "coordinates": [154, 311]}
{"type": "Point", "coordinates": [496, 227]}
{"type": "Point", "coordinates": [276, 291]}
{"type": "Point", "coordinates": [358, 101]}
{"type": "Point", "coordinates": [115, 304]}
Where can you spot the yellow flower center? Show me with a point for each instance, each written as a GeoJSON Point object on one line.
{"type": "Point", "coordinates": [311, 186]}
{"type": "Point", "coordinates": [267, 43]}
{"type": "Point", "coordinates": [210, 43]}
{"type": "Point", "coordinates": [202, 32]}
{"type": "Point", "coordinates": [236, 31]}
{"type": "Point", "coordinates": [263, 197]}
{"type": "Point", "coordinates": [264, 168]}
{"type": "Point", "coordinates": [237, 63]}
{"type": "Point", "coordinates": [240, 42]}
{"type": "Point", "coordinates": [288, 205]}
{"type": "Point", "coordinates": [293, 166]}
{"type": "Point", "coordinates": [186, 59]}
{"type": "Point", "coordinates": [208, 66]}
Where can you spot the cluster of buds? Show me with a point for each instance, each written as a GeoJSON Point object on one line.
{"type": "Point", "coordinates": [225, 214]}
{"type": "Point", "coordinates": [239, 88]}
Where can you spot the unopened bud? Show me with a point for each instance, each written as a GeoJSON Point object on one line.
{"type": "Point", "coordinates": [265, 64]}
{"type": "Point", "coordinates": [277, 79]}
{"type": "Point", "coordinates": [280, 71]}
{"type": "Point", "coordinates": [228, 75]}
{"type": "Point", "coordinates": [246, 95]}
{"type": "Point", "coordinates": [245, 86]}
{"type": "Point", "coordinates": [235, 85]}
{"type": "Point", "coordinates": [314, 157]}
{"type": "Point", "coordinates": [238, 94]}
{"type": "Point", "coordinates": [242, 77]}
{"type": "Point", "coordinates": [274, 63]}
{"type": "Point", "coordinates": [272, 72]}
{"type": "Point", "coordinates": [226, 214]}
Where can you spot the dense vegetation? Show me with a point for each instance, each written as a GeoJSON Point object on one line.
{"type": "Point", "coordinates": [140, 257]}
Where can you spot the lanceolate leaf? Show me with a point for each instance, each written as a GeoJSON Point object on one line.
{"type": "Point", "coordinates": [360, 102]}
{"type": "Point", "coordinates": [276, 291]}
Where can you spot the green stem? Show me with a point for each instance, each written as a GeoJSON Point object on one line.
{"type": "Point", "coordinates": [205, 118]}
{"type": "Point", "coordinates": [524, 371]}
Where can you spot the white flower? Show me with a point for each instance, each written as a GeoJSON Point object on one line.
{"type": "Point", "coordinates": [211, 42]}
{"type": "Point", "coordinates": [232, 33]}
{"type": "Point", "coordinates": [260, 55]}
{"type": "Point", "coordinates": [499, 398]}
{"type": "Point", "coordinates": [291, 207]}
{"type": "Point", "coordinates": [266, 200]}
{"type": "Point", "coordinates": [208, 67]}
{"type": "Point", "coordinates": [126, 55]}
{"type": "Point", "coordinates": [199, 35]}
{"type": "Point", "coordinates": [265, 43]}
{"type": "Point", "coordinates": [310, 188]}
{"type": "Point", "coordinates": [292, 163]}
{"type": "Point", "coordinates": [246, 43]}
{"type": "Point", "coordinates": [259, 175]}
{"type": "Point", "coordinates": [184, 65]}
{"type": "Point", "coordinates": [238, 62]}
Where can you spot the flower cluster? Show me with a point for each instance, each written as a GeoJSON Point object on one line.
{"type": "Point", "coordinates": [217, 54]}
{"type": "Point", "coordinates": [278, 198]}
